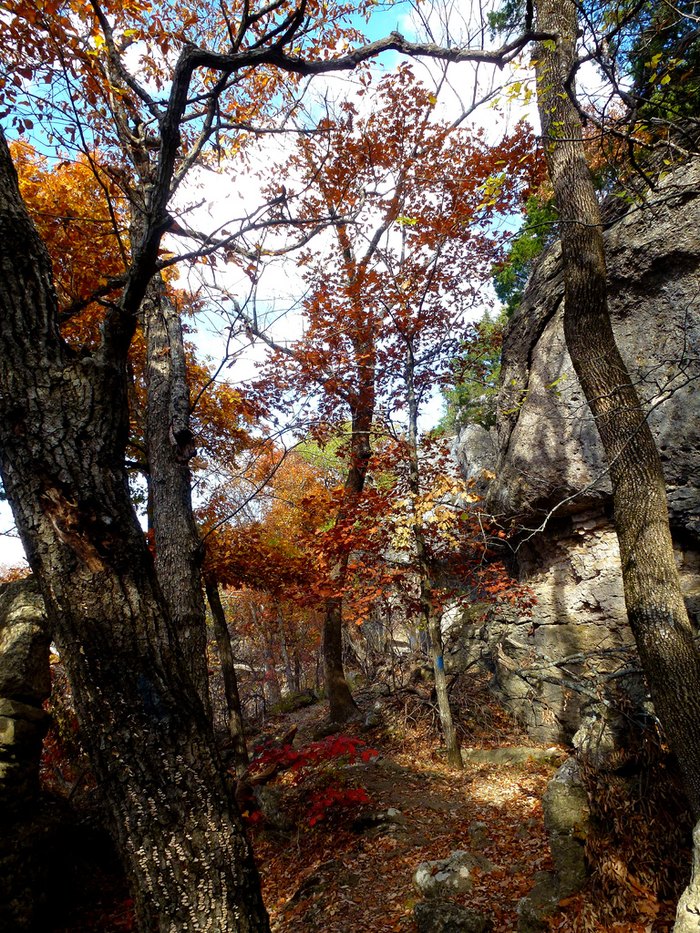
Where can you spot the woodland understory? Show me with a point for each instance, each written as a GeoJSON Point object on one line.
{"type": "Point", "coordinates": [332, 861]}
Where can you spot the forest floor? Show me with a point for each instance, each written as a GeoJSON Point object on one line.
{"type": "Point", "coordinates": [332, 878]}
{"type": "Point", "coordinates": [338, 877]}
{"type": "Point", "coordinates": [343, 866]}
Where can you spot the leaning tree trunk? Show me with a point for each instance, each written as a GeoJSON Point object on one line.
{"type": "Point", "coordinates": [655, 607]}
{"type": "Point", "coordinates": [63, 431]}
{"type": "Point", "coordinates": [169, 446]}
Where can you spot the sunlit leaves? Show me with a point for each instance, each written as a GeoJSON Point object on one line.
{"type": "Point", "coordinates": [79, 212]}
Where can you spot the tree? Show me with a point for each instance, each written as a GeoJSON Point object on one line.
{"type": "Point", "coordinates": [655, 607]}
{"type": "Point", "coordinates": [228, 670]}
{"type": "Point", "coordinates": [273, 552]}
{"type": "Point", "coordinates": [73, 510]}
{"type": "Point", "coordinates": [67, 204]}
{"type": "Point", "coordinates": [64, 415]}
{"type": "Point", "coordinates": [411, 198]}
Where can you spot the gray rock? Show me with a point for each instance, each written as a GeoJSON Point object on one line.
{"type": "Point", "coordinates": [548, 456]}
{"type": "Point", "coordinates": [548, 447]}
{"type": "Point", "coordinates": [565, 803]}
{"type": "Point", "coordinates": [271, 803]}
{"type": "Point", "coordinates": [452, 875]}
{"type": "Point", "coordinates": [566, 818]}
{"type": "Point", "coordinates": [476, 449]}
{"type": "Point", "coordinates": [446, 917]}
{"type": "Point", "coordinates": [373, 719]}
{"type": "Point", "coordinates": [539, 905]}
{"type": "Point", "coordinates": [606, 733]}
{"type": "Point", "coordinates": [688, 912]}
{"type": "Point", "coordinates": [24, 642]}
{"type": "Point", "coordinates": [24, 685]}
{"type": "Point", "coordinates": [390, 819]}
{"type": "Point", "coordinates": [512, 756]}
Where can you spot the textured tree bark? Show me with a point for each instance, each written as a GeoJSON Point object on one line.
{"type": "Point", "coordinates": [228, 670]}
{"type": "Point", "coordinates": [655, 606]}
{"type": "Point", "coordinates": [63, 431]}
{"type": "Point", "coordinates": [170, 445]}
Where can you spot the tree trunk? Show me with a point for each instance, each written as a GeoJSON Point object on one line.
{"type": "Point", "coordinates": [454, 754]}
{"type": "Point", "coordinates": [297, 669]}
{"type": "Point", "coordinates": [272, 683]}
{"type": "Point", "coordinates": [341, 705]}
{"type": "Point", "coordinates": [170, 445]}
{"type": "Point", "coordinates": [228, 670]}
{"type": "Point", "coordinates": [63, 430]}
{"type": "Point", "coordinates": [430, 620]}
{"type": "Point", "coordinates": [655, 606]}
{"type": "Point", "coordinates": [286, 660]}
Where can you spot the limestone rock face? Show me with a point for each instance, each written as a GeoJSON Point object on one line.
{"type": "Point", "coordinates": [550, 477]}
{"type": "Point", "coordinates": [24, 685]}
{"type": "Point", "coordinates": [547, 444]}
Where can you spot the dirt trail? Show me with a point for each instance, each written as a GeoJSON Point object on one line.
{"type": "Point", "coordinates": [333, 878]}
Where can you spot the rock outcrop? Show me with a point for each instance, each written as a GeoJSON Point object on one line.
{"type": "Point", "coordinates": [24, 685]}
{"type": "Point", "coordinates": [551, 484]}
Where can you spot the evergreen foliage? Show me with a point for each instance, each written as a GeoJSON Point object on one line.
{"type": "Point", "coordinates": [536, 233]}
{"type": "Point", "coordinates": [471, 398]}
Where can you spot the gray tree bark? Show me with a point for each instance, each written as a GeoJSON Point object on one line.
{"type": "Point", "coordinates": [64, 425]}
{"type": "Point", "coordinates": [169, 446]}
{"type": "Point", "coordinates": [655, 606]}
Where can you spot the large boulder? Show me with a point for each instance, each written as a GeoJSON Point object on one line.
{"type": "Point", "coordinates": [548, 448]}
{"type": "Point", "coordinates": [551, 483]}
{"type": "Point", "coordinates": [453, 875]}
{"type": "Point", "coordinates": [24, 685]}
